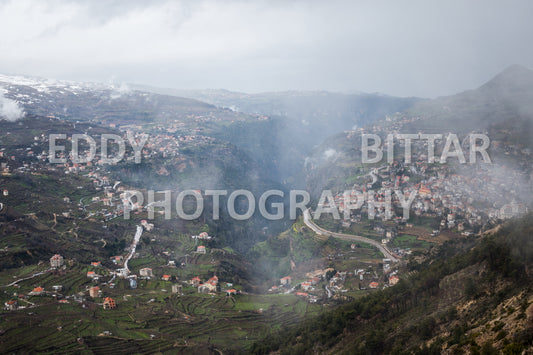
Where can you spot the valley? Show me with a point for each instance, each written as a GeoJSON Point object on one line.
{"type": "Point", "coordinates": [86, 267]}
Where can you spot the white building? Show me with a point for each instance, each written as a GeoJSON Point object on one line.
{"type": "Point", "coordinates": [56, 261]}
{"type": "Point", "coordinates": [146, 272]}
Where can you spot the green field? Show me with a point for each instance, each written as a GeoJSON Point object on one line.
{"type": "Point", "coordinates": [187, 322]}
{"type": "Point", "coordinates": [409, 241]}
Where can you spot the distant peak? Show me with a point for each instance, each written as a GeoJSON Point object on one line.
{"type": "Point", "coordinates": [515, 71]}
{"type": "Point", "coordinates": [514, 76]}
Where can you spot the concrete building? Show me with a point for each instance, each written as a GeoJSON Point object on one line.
{"type": "Point", "coordinates": [56, 261]}
{"type": "Point", "coordinates": [109, 303]}
{"type": "Point", "coordinates": [146, 272]}
{"type": "Point", "coordinates": [176, 288]}
{"type": "Point", "coordinates": [94, 291]}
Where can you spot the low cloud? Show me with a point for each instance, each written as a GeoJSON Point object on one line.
{"type": "Point", "coordinates": [10, 109]}
{"type": "Point", "coordinates": [119, 90]}
{"type": "Point", "coordinates": [331, 154]}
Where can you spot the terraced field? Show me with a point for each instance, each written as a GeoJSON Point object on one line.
{"type": "Point", "coordinates": [152, 320]}
{"type": "Point", "coordinates": [410, 241]}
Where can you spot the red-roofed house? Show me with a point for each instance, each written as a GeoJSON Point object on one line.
{"type": "Point", "coordinates": [11, 305]}
{"type": "Point", "coordinates": [56, 261]}
{"type": "Point", "coordinates": [214, 279]}
{"type": "Point", "coordinates": [37, 291]}
{"type": "Point", "coordinates": [424, 191]}
{"type": "Point", "coordinates": [195, 281]}
{"type": "Point", "coordinates": [373, 284]}
{"type": "Point", "coordinates": [109, 303]}
{"type": "Point", "coordinates": [117, 259]}
{"type": "Point", "coordinates": [209, 286]}
{"type": "Point", "coordinates": [204, 235]}
{"type": "Point", "coordinates": [166, 277]}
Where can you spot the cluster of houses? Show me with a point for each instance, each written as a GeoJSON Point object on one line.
{"type": "Point", "coordinates": [202, 236]}
{"type": "Point", "coordinates": [13, 305]}
{"type": "Point", "coordinates": [57, 261]}
{"type": "Point", "coordinates": [285, 285]}
{"type": "Point", "coordinates": [334, 282]}
{"type": "Point", "coordinates": [474, 196]}
{"type": "Point", "coordinates": [455, 198]}
{"type": "Point", "coordinates": [211, 286]}
{"type": "Point", "coordinates": [147, 226]}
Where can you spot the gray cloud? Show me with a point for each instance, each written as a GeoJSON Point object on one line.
{"type": "Point", "coordinates": [421, 48]}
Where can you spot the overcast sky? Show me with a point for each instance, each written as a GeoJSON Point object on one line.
{"type": "Point", "coordinates": [406, 48]}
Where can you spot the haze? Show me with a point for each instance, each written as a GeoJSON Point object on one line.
{"type": "Point", "coordinates": [415, 48]}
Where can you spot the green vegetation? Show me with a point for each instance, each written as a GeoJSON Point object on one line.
{"type": "Point", "coordinates": [419, 305]}
{"type": "Point", "coordinates": [192, 320]}
{"type": "Point", "coordinates": [409, 241]}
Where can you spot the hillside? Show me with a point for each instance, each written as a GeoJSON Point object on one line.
{"type": "Point", "coordinates": [274, 275]}
{"type": "Point", "coordinates": [501, 110]}
{"type": "Point", "coordinates": [299, 120]}
{"type": "Point", "coordinates": [107, 104]}
{"type": "Point", "coordinates": [473, 296]}
{"type": "Point", "coordinates": [502, 106]}
{"type": "Point", "coordinates": [277, 130]}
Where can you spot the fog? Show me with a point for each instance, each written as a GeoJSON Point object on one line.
{"type": "Point", "coordinates": [9, 109]}
{"type": "Point", "coordinates": [414, 48]}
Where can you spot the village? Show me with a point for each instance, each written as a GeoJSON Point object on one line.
{"type": "Point", "coordinates": [464, 201]}
{"type": "Point", "coordinates": [100, 287]}
{"type": "Point", "coordinates": [461, 202]}
{"type": "Point", "coordinates": [454, 200]}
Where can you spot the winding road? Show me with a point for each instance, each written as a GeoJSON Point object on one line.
{"type": "Point", "coordinates": [321, 231]}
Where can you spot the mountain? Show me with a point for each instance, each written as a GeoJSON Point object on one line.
{"type": "Point", "coordinates": [192, 153]}
{"type": "Point", "coordinates": [277, 130]}
{"type": "Point", "coordinates": [463, 276]}
{"type": "Point", "coordinates": [110, 104]}
{"type": "Point", "coordinates": [502, 109]}
{"type": "Point", "coordinates": [467, 295]}
{"type": "Point", "coordinates": [300, 120]}
{"type": "Point", "coordinates": [505, 102]}
{"type": "Point", "coordinates": [320, 112]}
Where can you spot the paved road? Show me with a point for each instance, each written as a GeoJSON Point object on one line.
{"type": "Point", "coordinates": [329, 291]}
{"type": "Point", "coordinates": [136, 239]}
{"type": "Point", "coordinates": [318, 230]}
{"type": "Point", "coordinates": [29, 277]}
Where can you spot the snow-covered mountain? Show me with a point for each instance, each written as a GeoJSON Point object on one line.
{"type": "Point", "coordinates": [98, 102]}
